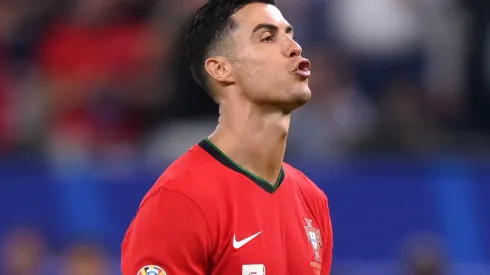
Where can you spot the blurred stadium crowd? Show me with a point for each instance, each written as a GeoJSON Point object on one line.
{"type": "Point", "coordinates": [89, 80]}
{"type": "Point", "coordinates": [110, 75]}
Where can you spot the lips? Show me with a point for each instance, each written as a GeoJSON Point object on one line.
{"type": "Point", "coordinates": [303, 68]}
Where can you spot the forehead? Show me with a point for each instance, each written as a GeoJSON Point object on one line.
{"type": "Point", "coordinates": [258, 13]}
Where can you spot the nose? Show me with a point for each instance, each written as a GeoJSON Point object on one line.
{"type": "Point", "coordinates": [295, 49]}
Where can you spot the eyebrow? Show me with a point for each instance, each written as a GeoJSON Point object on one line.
{"type": "Point", "coordinates": [271, 27]}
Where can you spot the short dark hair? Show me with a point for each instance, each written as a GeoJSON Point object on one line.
{"type": "Point", "coordinates": [211, 24]}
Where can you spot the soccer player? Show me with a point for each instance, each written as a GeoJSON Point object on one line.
{"type": "Point", "coordinates": [230, 205]}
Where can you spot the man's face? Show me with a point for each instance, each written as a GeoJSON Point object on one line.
{"type": "Point", "coordinates": [268, 65]}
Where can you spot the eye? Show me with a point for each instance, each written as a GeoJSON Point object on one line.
{"type": "Point", "coordinates": [267, 38]}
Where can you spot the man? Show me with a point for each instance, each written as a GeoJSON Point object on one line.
{"type": "Point", "coordinates": [230, 205]}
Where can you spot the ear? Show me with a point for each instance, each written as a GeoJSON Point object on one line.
{"type": "Point", "coordinates": [220, 69]}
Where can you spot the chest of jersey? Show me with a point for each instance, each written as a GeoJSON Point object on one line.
{"type": "Point", "coordinates": [265, 233]}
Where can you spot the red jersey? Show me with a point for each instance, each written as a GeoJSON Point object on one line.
{"type": "Point", "coordinates": [206, 215]}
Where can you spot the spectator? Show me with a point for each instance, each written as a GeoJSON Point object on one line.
{"type": "Point", "coordinates": [86, 259]}
{"type": "Point", "coordinates": [24, 253]}
{"type": "Point", "coordinates": [98, 63]}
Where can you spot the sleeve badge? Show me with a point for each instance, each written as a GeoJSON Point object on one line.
{"type": "Point", "coordinates": [151, 270]}
{"type": "Point", "coordinates": [315, 239]}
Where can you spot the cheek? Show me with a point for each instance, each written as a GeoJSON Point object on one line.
{"type": "Point", "coordinates": [257, 61]}
{"type": "Point", "coordinates": [253, 70]}
{"type": "Point", "coordinates": [257, 70]}
{"type": "Point", "coordinates": [264, 69]}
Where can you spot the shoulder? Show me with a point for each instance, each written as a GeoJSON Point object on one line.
{"type": "Point", "coordinates": [190, 177]}
{"type": "Point", "coordinates": [314, 198]}
{"type": "Point", "coordinates": [306, 185]}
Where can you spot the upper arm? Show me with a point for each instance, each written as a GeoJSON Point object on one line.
{"type": "Point", "coordinates": [169, 231]}
{"type": "Point", "coordinates": [327, 239]}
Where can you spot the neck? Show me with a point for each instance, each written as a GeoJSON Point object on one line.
{"type": "Point", "coordinates": [253, 138]}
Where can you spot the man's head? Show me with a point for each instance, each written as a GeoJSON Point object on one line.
{"type": "Point", "coordinates": [246, 47]}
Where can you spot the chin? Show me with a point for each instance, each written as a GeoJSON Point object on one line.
{"type": "Point", "coordinates": [302, 96]}
{"type": "Point", "coordinates": [295, 101]}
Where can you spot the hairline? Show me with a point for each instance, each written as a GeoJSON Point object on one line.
{"type": "Point", "coordinates": [218, 49]}
{"type": "Point", "coordinates": [218, 43]}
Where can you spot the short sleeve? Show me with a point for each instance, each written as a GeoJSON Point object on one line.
{"type": "Point", "coordinates": [169, 231]}
{"type": "Point", "coordinates": [327, 240]}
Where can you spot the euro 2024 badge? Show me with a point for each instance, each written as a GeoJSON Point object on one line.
{"type": "Point", "coordinates": [152, 270]}
{"type": "Point", "coordinates": [314, 238]}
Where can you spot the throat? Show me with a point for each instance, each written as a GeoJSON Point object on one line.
{"type": "Point", "coordinates": [269, 184]}
{"type": "Point", "coordinates": [256, 147]}
{"type": "Point", "coordinates": [262, 159]}
{"type": "Point", "coordinates": [266, 158]}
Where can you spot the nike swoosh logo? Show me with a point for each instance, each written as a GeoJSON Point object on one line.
{"type": "Point", "coordinates": [243, 242]}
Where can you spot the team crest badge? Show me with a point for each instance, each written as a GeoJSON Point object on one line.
{"type": "Point", "coordinates": [314, 238]}
{"type": "Point", "coordinates": [151, 270]}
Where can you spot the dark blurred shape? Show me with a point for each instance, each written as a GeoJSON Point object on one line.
{"type": "Point", "coordinates": [86, 259]}
{"type": "Point", "coordinates": [23, 253]}
{"type": "Point", "coordinates": [189, 99]}
{"type": "Point", "coordinates": [424, 255]}
{"type": "Point", "coordinates": [19, 28]}
{"type": "Point", "coordinates": [406, 122]}
{"type": "Point", "coordinates": [477, 59]}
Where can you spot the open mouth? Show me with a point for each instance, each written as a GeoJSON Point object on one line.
{"type": "Point", "coordinates": [303, 69]}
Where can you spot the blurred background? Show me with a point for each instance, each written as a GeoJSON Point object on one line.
{"type": "Point", "coordinates": [96, 100]}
